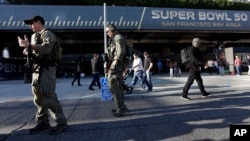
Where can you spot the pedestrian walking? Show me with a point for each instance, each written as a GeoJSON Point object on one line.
{"type": "Point", "coordinates": [159, 66]}
{"type": "Point", "coordinates": [148, 65]}
{"type": "Point", "coordinates": [210, 66]}
{"type": "Point", "coordinates": [116, 51]}
{"type": "Point", "coordinates": [237, 64]}
{"type": "Point", "coordinates": [222, 63]}
{"type": "Point", "coordinates": [137, 67]}
{"type": "Point", "coordinates": [171, 68]}
{"type": "Point", "coordinates": [195, 63]}
{"type": "Point", "coordinates": [248, 64]}
{"type": "Point", "coordinates": [176, 69]}
{"type": "Point", "coordinates": [95, 64]}
{"type": "Point", "coordinates": [77, 74]}
{"type": "Point", "coordinates": [44, 76]}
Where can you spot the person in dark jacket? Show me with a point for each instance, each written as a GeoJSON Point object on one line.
{"type": "Point", "coordinates": [195, 63]}
{"type": "Point", "coordinates": [78, 71]}
{"type": "Point", "coordinates": [222, 63]}
{"type": "Point", "coordinates": [95, 64]}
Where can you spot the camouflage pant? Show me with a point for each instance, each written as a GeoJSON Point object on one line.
{"type": "Point", "coordinates": [115, 87]}
{"type": "Point", "coordinates": [45, 98]}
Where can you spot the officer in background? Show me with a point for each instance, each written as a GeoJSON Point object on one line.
{"type": "Point", "coordinates": [116, 51]}
{"type": "Point", "coordinates": [43, 77]}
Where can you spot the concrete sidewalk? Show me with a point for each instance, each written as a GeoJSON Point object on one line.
{"type": "Point", "coordinates": [159, 115]}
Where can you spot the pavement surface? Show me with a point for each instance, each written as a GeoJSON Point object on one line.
{"type": "Point", "coordinates": [156, 116]}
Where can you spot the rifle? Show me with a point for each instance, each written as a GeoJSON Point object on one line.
{"type": "Point", "coordinates": [108, 62]}
{"type": "Point", "coordinates": [28, 67]}
{"type": "Point", "coordinates": [107, 57]}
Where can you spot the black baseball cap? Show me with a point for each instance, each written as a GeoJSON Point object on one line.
{"type": "Point", "coordinates": [34, 18]}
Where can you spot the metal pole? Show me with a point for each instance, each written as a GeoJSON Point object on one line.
{"type": "Point", "coordinates": [105, 37]}
{"type": "Point", "coordinates": [104, 27]}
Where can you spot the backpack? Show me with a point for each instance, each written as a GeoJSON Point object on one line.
{"type": "Point", "coordinates": [127, 56]}
{"type": "Point", "coordinates": [185, 56]}
{"type": "Point", "coordinates": [128, 51]}
{"type": "Point", "coordinates": [57, 51]}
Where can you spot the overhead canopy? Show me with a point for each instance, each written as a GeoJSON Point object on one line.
{"type": "Point", "coordinates": [131, 18]}
{"type": "Point", "coordinates": [81, 27]}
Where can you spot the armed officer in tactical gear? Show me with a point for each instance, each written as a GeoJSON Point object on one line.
{"type": "Point", "coordinates": [44, 76]}
{"type": "Point", "coordinates": [116, 51]}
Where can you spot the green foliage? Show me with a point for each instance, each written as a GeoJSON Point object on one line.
{"type": "Point", "coordinates": [195, 4]}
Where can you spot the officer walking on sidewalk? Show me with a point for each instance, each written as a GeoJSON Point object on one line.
{"type": "Point", "coordinates": [116, 51]}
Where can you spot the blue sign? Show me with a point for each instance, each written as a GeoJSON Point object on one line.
{"type": "Point", "coordinates": [124, 17]}
{"type": "Point", "coordinates": [105, 93]}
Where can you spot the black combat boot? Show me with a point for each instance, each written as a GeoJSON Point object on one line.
{"type": "Point", "coordinates": [59, 128]}
{"type": "Point", "coordinates": [40, 127]}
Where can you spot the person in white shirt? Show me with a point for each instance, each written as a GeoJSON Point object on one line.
{"type": "Point", "coordinates": [210, 65]}
{"type": "Point", "coordinates": [138, 71]}
{"type": "Point", "coordinates": [6, 53]}
{"type": "Point", "coordinates": [248, 64]}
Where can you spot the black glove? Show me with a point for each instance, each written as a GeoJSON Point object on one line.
{"type": "Point", "coordinates": [106, 58]}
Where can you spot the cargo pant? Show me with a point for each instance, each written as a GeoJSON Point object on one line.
{"type": "Point", "coordinates": [115, 85]}
{"type": "Point", "coordinates": [45, 98]}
